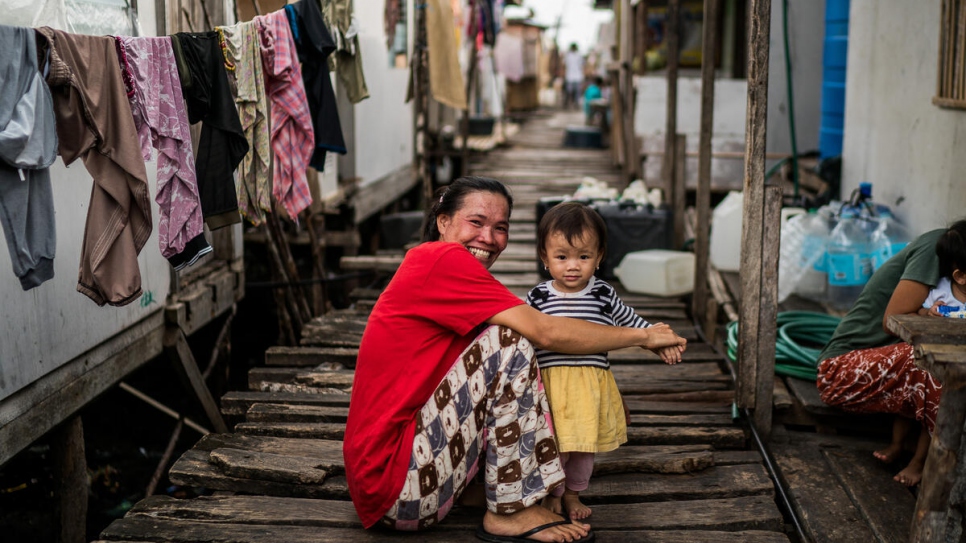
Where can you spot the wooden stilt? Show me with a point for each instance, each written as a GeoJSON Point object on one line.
{"type": "Point", "coordinates": [70, 469]}
{"type": "Point", "coordinates": [290, 270]}
{"type": "Point", "coordinates": [318, 264]}
{"type": "Point", "coordinates": [287, 293]}
{"type": "Point", "coordinates": [165, 459]}
{"type": "Point", "coordinates": [179, 352]}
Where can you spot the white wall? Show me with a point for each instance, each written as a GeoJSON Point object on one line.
{"type": "Point", "coordinates": [806, 30]}
{"type": "Point", "coordinates": [894, 137]}
{"type": "Point", "coordinates": [383, 122]}
{"type": "Point", "coordinates": [53, 323]}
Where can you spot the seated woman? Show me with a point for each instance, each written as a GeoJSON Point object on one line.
{"type": "Point", "coordinates": [866, 369]}
{"type": "Point", "coordinates": [447, 378]}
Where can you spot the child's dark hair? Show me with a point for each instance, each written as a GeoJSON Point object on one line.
{"type": "Point", "coordinates": [571, 219]}
{"type": "Point", "coordinates": [449, 199]}
{"type": "Point", "coordinates": [951, 249]}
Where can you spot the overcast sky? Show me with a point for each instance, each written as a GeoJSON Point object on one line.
{"type": "Point", "coordinates": [579, 20]}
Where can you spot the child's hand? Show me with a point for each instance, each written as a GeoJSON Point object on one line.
{"type": "Point", "coordinates": [670, 355]}
{"type": "Point", "coordinates": [934, 310]}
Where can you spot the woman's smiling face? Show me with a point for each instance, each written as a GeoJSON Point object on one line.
{"type": "Point", "coordinates": [482, 225]}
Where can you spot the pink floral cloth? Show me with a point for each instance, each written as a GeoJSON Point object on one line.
{"type": "Point", "coordinates": [880, 380]}
{"type": "Point", "coordinates": [293, 139]}
{"type": "Point", "coordinates": [244, 63]}
{"type": "Point", "coordinates": [154, 90]}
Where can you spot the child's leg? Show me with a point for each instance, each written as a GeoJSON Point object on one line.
{"type": "Point", "coordinates": [900, 430]}
{"type": "Point", "coordinates": [912, 474]}
{"type": "Point", "coordinates": [552, 501]}
{"type": "Point", "coordinates": [579, 467]}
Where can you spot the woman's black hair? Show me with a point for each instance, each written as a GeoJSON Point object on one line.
{"type": "Point", "coordinates": [951, 249]}
{"type": "Point", "coordinates": [449, 199]}
{"type": "Point", "coordinates": [571, 219]}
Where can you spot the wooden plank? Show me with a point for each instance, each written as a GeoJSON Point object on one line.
{"type": "Point", "coordinates": [270, 467]}
{"type": "Point", "coordinates": [306, 430]}
{"type": "Point", "coordinates": [638, 405]}
{"type": "Point", "coordinates": [824, 508]}
{"type": "Point", "coordinates": [730, 458]}
{"type": "Point", "coordinates": [885, 505]}
{"type": "Point", "coordinates": [310, 356]}
{"type": "Point", "coordinates": [295, 413]}
{"type": "Point", "coordinates": [194, 469]}
{"type": "Point", "coordinates": [282, 535]}
{"type": "Point", "coordinates": [655, 459]}
{"type": "Point", "coordinates": [697, 352]}
{"type": "Point", "coordinates": [372, 197]}
{"type": "Point", "coordinates": [918, 329]}
{"type": "Point", "coordinates": [323, 450]}
{"type": "Point", "coordinates": [720, 438]}
{"type": "Point", "coordinates": [724, 419]}
{"type": "Point", "coordinates": [717, 397]}
{"type": "Point", "coordinates": [768, 311]}
{"type": "Point", "coordinates": [260, 378]}
{"type": "Point", "coordinates": [718, 482]}
{"type": "Point", "coordinates": [237, 402]}
{"type": "Point", "coordinates": [743, 513]}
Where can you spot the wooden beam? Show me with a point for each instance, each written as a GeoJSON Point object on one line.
{"type": "Point", "coordinates": [179, 352]}
{"type": "Point", "coordinates": [70, 472]}
{"type": "Point", "coordinates": [702, 203]}
{"type": "Point", "coordinates": [759, 21]}
{"type": "Point", "coordinates": [768, 312]}
{"type": "Point", "coordinates": [671, 122]}
{"type": "Point", "coordinates": [679, 199]}
{"type": "Point", "coordinates": [373, 197]}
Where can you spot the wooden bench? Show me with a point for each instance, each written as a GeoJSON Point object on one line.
{"type": "Point", "coordinates": [940, 348]}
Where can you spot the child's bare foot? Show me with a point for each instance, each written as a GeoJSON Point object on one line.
{"type": "Point", "coordinates": [552, 503]}
{"type": "Point", "coordinates": [572, 504]}
{"type": "Point", "coordinates": [911, 474]}
{"type": "Point", "coordinates": [889, 454]}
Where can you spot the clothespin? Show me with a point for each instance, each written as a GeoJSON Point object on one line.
{"type": "Point", "coordinates": [22, 176]}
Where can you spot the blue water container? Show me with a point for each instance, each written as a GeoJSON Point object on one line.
{"type": "Point", "coordinates": [834, 59]}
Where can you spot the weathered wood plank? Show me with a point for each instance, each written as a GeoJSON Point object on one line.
{"type": "Point", "coordinates": [300, 430]}
{"type": "Point", "coordinates": [696, 352]}
{"type": "Point", "coordinates": [719, 437]}
{"type": "Point", "coordinates": [323, 450]}
{"type": "Point", "coordinates": [655, 459]}
{"type": "Point", "coordinates": [259, 378]}
{"type": "Point", "coordinates": [730, 458]}
{"type": "Point", "coordinates": [310, 356]}
{"type": "Point", "coordinates": [723, 419]}
{"type": "Point", "coordinates": [825, 510]}
{"type": "Point", "coordinates": [295, 413]}
{"type": "Point", "coordinates": [640, 405]}
{"type": "Point", "coordinates": [350, 535]}
{"type": "Point", "coordinates": [237, 402]}
{"type": "Point", "coordinates": [716, 482]}
{"type": "Point", "coordinates": [271, 467]}
{"type": "Point", "coordinates": [887, 506]}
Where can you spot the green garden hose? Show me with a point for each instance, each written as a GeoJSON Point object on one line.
{"type": "Point", "coordinates": [799, 341]}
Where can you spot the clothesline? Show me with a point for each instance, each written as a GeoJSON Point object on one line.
{"type": "Point", "coordinates": [260, 88]}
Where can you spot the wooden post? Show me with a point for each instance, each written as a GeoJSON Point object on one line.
{"type": "Point", "coordinates": [768, 312]}
{"type": "Point", "coordinates": [70, 471]}
{"type": "Point", "coordinates": [929, 523]}
{"type": "Point", "coordinates": [470, 85]}
{"type": "Point", "coordinates": [671, 123]}
{"type": "Point", "coordinates": [702, 203]}
{"type": "Point", "coordinates": [626, 81]}
{"type": "Point", "coordinates": [759, 19]}
{"type": "Point", "coordinates": [179, 352]}
{"type": "Point", "coordinates": [679, 202]}
{"type": "Point", "coordinates": [420, 82]}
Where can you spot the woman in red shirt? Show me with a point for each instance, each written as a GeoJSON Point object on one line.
{"type": "Point", "coordinates": [446, 374]}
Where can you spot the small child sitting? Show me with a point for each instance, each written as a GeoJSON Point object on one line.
{"type": "Point", "coordinates": [589, 415]}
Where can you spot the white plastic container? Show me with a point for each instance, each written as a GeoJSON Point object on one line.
{"type": "Point", "coordinates": [726, 232]}
{"type": "Point", "coordinates": [657, 272]}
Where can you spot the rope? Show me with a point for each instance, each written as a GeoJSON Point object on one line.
{"type": "Point", "coordinates": [799, 341]}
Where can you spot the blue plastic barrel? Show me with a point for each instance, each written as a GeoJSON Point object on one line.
{"type": "Point", "coordinates": [834, 60]}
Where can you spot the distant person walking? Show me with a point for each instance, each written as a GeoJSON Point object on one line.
{"type": "Point", "coordinates": [573, 76]}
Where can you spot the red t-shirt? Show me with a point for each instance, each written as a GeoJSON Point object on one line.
{"type": "Point", "coordinates": [424, 319]}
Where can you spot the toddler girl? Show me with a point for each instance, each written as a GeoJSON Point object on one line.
{"type": "Point", "coordinates": [589, 414]}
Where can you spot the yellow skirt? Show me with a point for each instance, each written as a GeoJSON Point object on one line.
{"type": "Point", "coordinates": [588, 415]}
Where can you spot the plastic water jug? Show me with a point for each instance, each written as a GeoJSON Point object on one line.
{"type": "Point", "coordinates": [849, 257]}
{"type": "Point", "coordinates": [888, 239]}
{"type": "Point", "coordinates": [726, 233]}
{"type": "Point", "coordinates": [813, 283]}
{"type": "Point", "coordinates": [657, 272]}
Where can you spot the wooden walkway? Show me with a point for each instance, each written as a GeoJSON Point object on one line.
{"type": "Point", "coordinates": [686, 474]}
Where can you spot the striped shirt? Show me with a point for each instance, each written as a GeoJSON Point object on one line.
{"type": "Point", "coordinates": [597, 302]}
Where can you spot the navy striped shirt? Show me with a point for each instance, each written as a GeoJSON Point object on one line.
{"type": "Point", "coordinates": [597, 302]}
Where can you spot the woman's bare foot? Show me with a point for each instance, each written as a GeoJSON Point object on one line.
{"type": "Point", "coordinates": [528, 519]}
{"type": "Point", "coordinates": [552, 503]}
{"type": "Point", "coordinates": [911, 474]}
{"type": "Point", "coordinates": [573, 505]}
{"type": "Point", "coordinates": [889, 454]}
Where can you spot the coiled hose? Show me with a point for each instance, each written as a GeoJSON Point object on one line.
{"type": "Point", "coordinates": [800, 337]}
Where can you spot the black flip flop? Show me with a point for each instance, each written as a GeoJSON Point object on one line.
{"type": "Point", "coordinates": [522, 538]}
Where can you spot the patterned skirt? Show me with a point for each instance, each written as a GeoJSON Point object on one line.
{"type": "Point", "coordinates": [880, 380]}
{"type": "Point", "coordinates": [492, 404]}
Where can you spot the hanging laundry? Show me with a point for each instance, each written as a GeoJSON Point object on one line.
{"type": "Point", "coordinates": [154, 91]}
{"type": "Point", "coordinates": [391, 15]}
{"type": "Point", "coordinates": [207, 92]}
{"type": "Point", "coordinates": [508, 56]}
{"type": "Point", "coordinates": [28, 146]}
{"type": "Point", "coordinates": [445, 76]}
{"type": "Point", "coordinates": [314, 44]}
{"type": "Point", "coordinates": [347, 60]}
{"type": "Point", "coordinates": [244, 62]}
{"type": "Point", "coordinates": [292, 138]}
{"type": "Point", "coordinates": [94, 123]}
